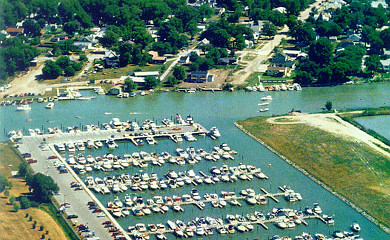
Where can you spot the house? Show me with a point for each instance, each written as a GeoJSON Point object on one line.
{"type": "Point", "coordinates": [282, 60]}
{"type": "Point", "coordinates": [184, 59]}
{"type": "Point", "coordinates": [292, 53]}
{"type": "Point", "coordinates": [277, 71]}
{"type": "Point", "coordinates": [280, 9]}
{"type": "Point", "coordinates": [14, 31]}
{"type": "Point", "coordinates": [145, 74]}
{"type": "Point", "coordinates": [115, 90]}
{"type": "Point", "coordinates": [355, 37]}
{"type": "Point", "coordinates": [386, 65]}
{"type": "Point", "coordinates": [84, 43]}
{"type": "Point", "coordinates": [140, 81]}
{"type": "Point", "coordinates": [375, 4]}
{"type": "Point", "coordinates": [200, 77]}
{"type": "Point", "coordinates": [227, 61]}
{"type": "Point", "coordinates": [156, 59]}
{"type": "Point", "coordinates": [194, 51]}
{"type": "Point", "coordinates": [243, 19]}
{"type": "Point", "coordinates": [110, 59]}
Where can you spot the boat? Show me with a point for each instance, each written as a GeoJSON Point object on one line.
{"type": "Point", "coordinates": [297, 87]}
{"type": "Point", "coordinates": [266, 98]}
{"type": "Point", "coordinates": [355, 227]}
{"type": "Point", "coordinates": [125, 95]}
{"type": "Point", "coordinates": [263, 104]}
{"type": "Point", "coordinates": [215, 132]}
{"type": "Point", "coordinates": [50, 105]}
{"type": "Point", "coordinates": [24, 107]}
{"type": "Point", "coordinates": [264, 110]}
{"type": "Point", "coordinates": [111, 144]}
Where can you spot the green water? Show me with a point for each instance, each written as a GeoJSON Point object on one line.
{"type": "Point", "coordinates": [220, 109]}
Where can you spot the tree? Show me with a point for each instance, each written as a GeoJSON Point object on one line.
{"type": "Point", "coordinates": [4, 182]}
{"type": "Point", "coordinates": [42, 187]}
{"type": "Point", "coordinates": [130, 85]}
{"type": "Point", "coordinates": [69, 71]}
{"type": "Point", "coordinates": [6, 192]}
{"type": "Point", "coordinates": [172, 81]}
{"type": "Point", "coordinates": [63, 62]}
{"type": "Point", "coordinates": [303, 78]}
{"type": "Point", "coordinates": [71, 27]}
{"type": "Point", "coordinates": [321, 51]}
{"type": "Point", "coordinates": [51, 70]}
{"type": "Point", "coordinates": [269, 29]}
{"type": "Point", "coordinates": [83, 58]}
{"type": "Point", "coordinates": [16, 206]}
{"type": "Point", "coordinates": [32, 28]}
{"type": "Point", "coordinates": [328, 105]}
{"type": "Point", "coordinates": [151, 82]}
{"type": "Point", "coordinates": [179, 73]}
{"type": "Point", "coordinates": [77, 66]}
{"type": "Point", "coordinates": [373, 63]}
{"type": "Point", "coordinates": [25, 202]}
{"type": "Point", "coordinates": [109, 39]}
{"type": "Point", "coordinates": [23, 169]}
{"type": "Point", "coordinates": [12, 199]}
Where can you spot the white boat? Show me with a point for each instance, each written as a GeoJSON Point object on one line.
{"type": "Point", "coordinates": [355, 227]}
{"type": "Point", "coordinates": [111, 144]}
{"type": "Point", "coordinates": [24, 107]}
{"type": "Point", "coordinates": [266, 98]}
{"type": "Point", "coordinates": [125, 95]}
{"type": "Point", "coordinates": [50, 105]}
{"type": "Point", "coordinates": [98, 144]}
{"type": "Point", "coordinates": [263, 104]}
{"type": "Point", "coordinates": [215, 132]}
{"type": "Point", "coordinates": [188, 136]}
{"type": "Point", "coordinates": [263, 109]}
{"type": "Point", "coordinates": [297, 87]}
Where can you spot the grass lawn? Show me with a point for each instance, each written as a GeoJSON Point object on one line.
{"type": "Point", "coordinates": [352, 169]}
{"type": "Point", "coordinates": [266, 80]}
{"type": "Point", "coordinates": [15, 225]}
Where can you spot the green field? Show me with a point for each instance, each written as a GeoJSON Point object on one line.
{"type": "Point", "coordinates": [351, 169]}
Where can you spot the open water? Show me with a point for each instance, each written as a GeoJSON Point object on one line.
{"type": "Point", "coordinates": [219, 109]}
{"type": "Point", "coordinates": [379, 124]}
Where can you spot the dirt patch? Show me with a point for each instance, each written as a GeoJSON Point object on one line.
{"type": "Point", "coordinates": [16, 226]}
{"type": "Point", "coordinates": [220, 77]}
{"type": "Point", "coordinates": [331, 123]}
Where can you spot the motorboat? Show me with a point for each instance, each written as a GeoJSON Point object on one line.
{"type": "Point", "coordinates": [215, 132]}
{"type": "Point", "coordinates": [111, 144]}
{"type": "Point", "coordinates": [266, 98]}
{"type": "Point", "coordinates": [50, 105]}
{"type": "Point", "coordinates": [24, 107]}
{"type": "Point", "coordinates": [355, 227]}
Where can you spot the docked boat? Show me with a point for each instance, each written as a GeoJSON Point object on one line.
{"type": "Point", "coordinates": [297, 87]}
{"type": "Point", "coordinates": [215, 132]}
{"type": "Point", "coordinates": [111, 144]}
{"type": "Point", "coordinates": [24, 107]}
{"type": "Point", "coordinates": [50, 105]}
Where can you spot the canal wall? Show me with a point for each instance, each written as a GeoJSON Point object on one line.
{"type": "Point", "coordinates": [358, 209]}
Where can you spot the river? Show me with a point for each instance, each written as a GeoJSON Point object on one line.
{"type": "Point", "coordinates": [219, 109]}
{"type": "Point", "coordinates": [379, 124]}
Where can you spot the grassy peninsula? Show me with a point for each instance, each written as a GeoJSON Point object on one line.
{"type": "Point", "coordinates": [352, 169]}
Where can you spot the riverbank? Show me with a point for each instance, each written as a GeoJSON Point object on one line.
{"type": "Point", "coordinates": [357, 176]}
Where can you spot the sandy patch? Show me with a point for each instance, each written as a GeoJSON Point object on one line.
{"type": "Point", "coordinates": [331, 123]}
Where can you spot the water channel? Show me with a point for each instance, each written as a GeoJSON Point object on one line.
{"type": "Point", "coordinates": [220, 109]}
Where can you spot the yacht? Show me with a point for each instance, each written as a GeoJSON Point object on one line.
{"type": "Point", "coordinates": [24, 107]}
{"type": "Point", "coordinates": [188, 136]}
{"type": "Point", "coordinates": [215, 132]}
{"type": "Point", "coordinates": [111, 144]}
{"type": "Point", "coordinates": [50, 105]}
{"type": "Point", "coordinates": [266, 98]}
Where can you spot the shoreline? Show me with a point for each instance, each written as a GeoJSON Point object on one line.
{"type": "Point", "coordinates": [329, 189]}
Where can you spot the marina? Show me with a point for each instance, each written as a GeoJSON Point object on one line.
{"type": "Point", "coordinates": [239, 143]}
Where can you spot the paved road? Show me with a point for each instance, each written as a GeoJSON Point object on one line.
{"type": "Point", "coordinates": [77, 199]}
